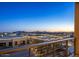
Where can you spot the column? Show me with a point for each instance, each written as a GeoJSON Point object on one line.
{"type": "Point", "coordinates": [13, 44]}
{"type": "Point", "coordinates": [18, 43]}
{"type": "Point", "coordinates": [77, 28]}
{"type": "Point", "coordinates": [25, 41]}
{"type": "Point", "coordinates": [7, 44]}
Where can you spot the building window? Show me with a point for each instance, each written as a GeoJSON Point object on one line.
{"type": "Point", "coordinates": [10, 43]}
{"type": "Point", "coordinates": [24, 42]}
{"type": "Point", "coordinates": [2, 44]}
{"type": "Point", "coordinates": [16, 43]}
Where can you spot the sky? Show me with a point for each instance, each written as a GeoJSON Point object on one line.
{"type": "Point", "coordinates": [37, 16]}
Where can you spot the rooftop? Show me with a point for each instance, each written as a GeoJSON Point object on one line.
{"type": "Point", "coordinates": [10, 37]}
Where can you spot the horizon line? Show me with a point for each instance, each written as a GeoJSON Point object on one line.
{"type": "Point", "coordinates": [37, 31]}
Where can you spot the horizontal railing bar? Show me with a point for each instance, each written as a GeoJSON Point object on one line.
{"type": "Point", "coordinates": [44, 43]}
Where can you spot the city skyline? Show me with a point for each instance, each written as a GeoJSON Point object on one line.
{"type": "Point", "coordinates": [41, 16]}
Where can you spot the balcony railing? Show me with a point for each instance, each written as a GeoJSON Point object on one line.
{"type": "Point", "coordinates": [53, 48]}
{"type": "Point", "coordinates": [44, 49]}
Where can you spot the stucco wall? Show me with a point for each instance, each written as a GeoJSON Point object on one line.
{"type": "Point", "coordinates": [77, 29]}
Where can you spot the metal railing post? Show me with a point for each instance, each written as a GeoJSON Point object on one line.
{"type": "Point", "coordinates": [67, 48]}
{"type": "Point", "coordinates": [75, 47]}
{"type": "Point", "coordinates": [53, 50]}
{"type": "Point", "coordinates": [29, 52]}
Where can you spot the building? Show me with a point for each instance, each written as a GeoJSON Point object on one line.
{"type": "Point", "coordinates": [12, 41]}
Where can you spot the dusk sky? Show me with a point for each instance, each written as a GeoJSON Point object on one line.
{"type": "Point", "coordinates": [54, 16]}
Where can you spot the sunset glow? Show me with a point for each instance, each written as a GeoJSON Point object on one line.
{"type": "Point", "coordinates": [36, 17]}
